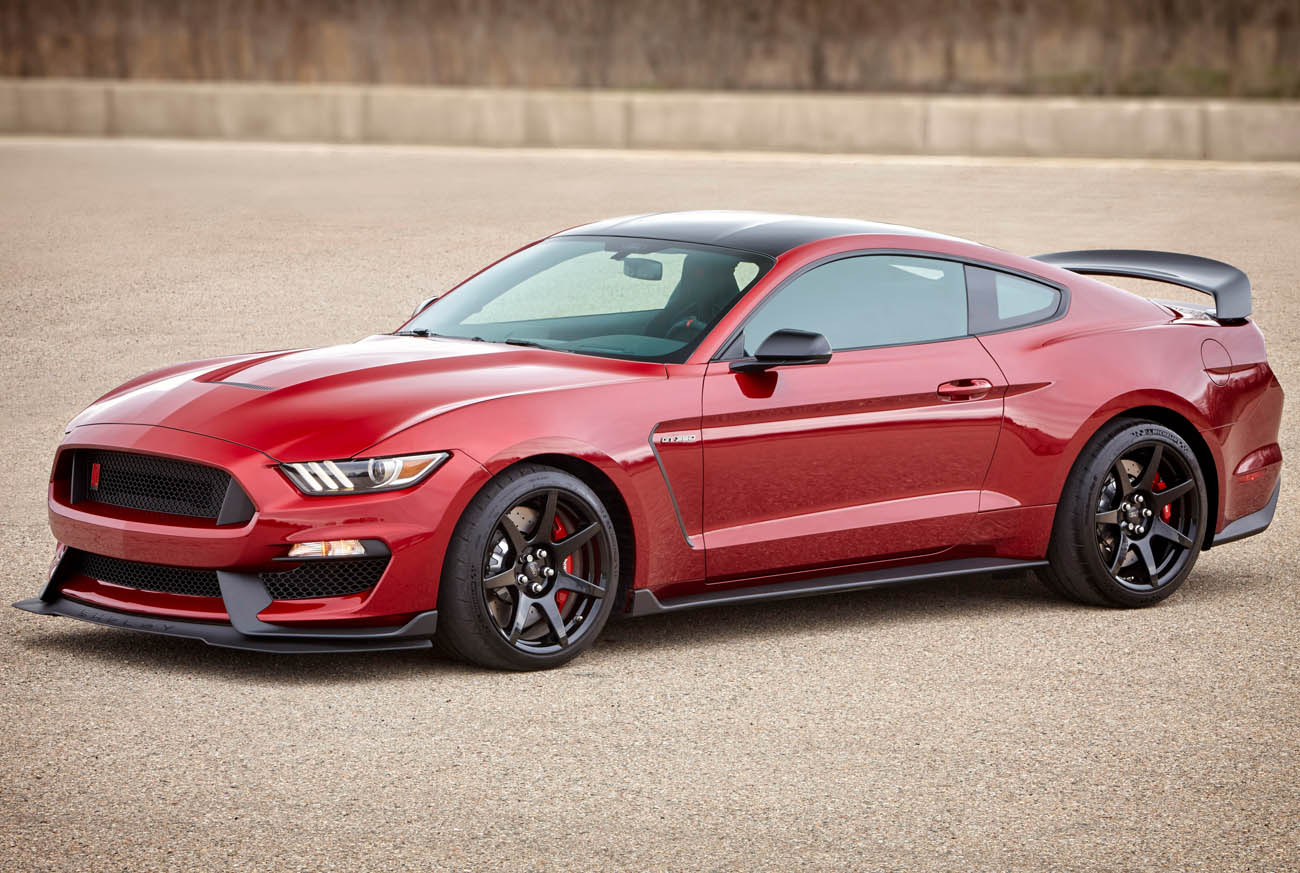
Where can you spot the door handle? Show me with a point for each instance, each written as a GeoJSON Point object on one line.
{"type": "Point", "coordinates": [964, 389]}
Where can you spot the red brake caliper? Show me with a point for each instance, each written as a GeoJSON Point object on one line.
{"type": "Point", "coordinates": [558, 533]}
{"type": "Point", "coordinates": [1167, 511]}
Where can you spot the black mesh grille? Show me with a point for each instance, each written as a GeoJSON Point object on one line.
{"type": "Point", "coordinates": [309, 579]}
{"type": "Point", "coordinates": [149, 577]}
{"type": "Point", "coordinates": [325, 578]}
{"type": "Point", "coordinates": [151, 484]}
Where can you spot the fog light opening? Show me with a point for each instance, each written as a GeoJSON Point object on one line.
{"type": "Point", "coordinates": [328, 549]}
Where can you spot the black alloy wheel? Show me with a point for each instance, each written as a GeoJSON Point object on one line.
{"type": "Point", "coordinates": [1132, 517]}
{"type": "Point", "coordinates": [542, 573]}
{"type": "Point", "coordinates": [1147, 517]}
{"type": "Point", "coordinates": [531, 574]}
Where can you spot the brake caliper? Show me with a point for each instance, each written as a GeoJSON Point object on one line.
{"type": "Point", "coordinates": [1158, 485]}
{"type": "Point", "coordinates": [558, 532]}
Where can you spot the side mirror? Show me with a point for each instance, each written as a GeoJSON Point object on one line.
{"type": "Point", "coordinates": [786, 348]}
{"type": "Point", "coordinates": [424, 304]}
{"type": "Point", "coordinates": [643, 268]}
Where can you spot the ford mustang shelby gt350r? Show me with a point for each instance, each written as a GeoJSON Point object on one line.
{"type": "Point", "coordinates": [670, 411]}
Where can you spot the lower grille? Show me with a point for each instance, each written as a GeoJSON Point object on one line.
{"type": "Point", "coordinates": [307, 580]}
{"type": "Point", "coordinates": [325, 578]}
{"type": "Point", "coordinates": [148, 577]}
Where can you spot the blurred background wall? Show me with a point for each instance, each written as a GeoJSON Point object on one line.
{"type": "Point", "coordinates": [1217, 48]}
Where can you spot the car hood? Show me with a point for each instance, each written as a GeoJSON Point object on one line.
{"type": "Point", "coordinates": [334, 402]}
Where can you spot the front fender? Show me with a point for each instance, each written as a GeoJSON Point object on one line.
{"type": "Point", "coordinates": [605, 426]}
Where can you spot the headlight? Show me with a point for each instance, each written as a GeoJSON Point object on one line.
{"type": "Point", "coordinates": [320, 478]}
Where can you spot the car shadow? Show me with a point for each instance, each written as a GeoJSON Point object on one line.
{"type": "Point", "coordinates": [851, 612]}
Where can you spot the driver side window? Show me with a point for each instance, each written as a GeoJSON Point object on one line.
{"type": "Point", "coordinates": [866, 301]}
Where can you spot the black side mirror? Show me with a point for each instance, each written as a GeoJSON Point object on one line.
{"type": "Point", "coordinates": [424, 304]}
{"type": "Point", "coordinates": [786, 348]}
{"type": "Point", "coordinates": [643, 268]}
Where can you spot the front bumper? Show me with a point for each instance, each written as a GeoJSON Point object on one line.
{"type": "Point", "coordinates": [398, 612]}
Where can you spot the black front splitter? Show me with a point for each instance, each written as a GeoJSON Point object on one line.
{"type": "Point", "coordinates": [415, 634]}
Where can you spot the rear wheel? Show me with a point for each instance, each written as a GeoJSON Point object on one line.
{"type": "Point", "coordinates": [531, 574]}
{"type": "Point", "coordinates": [1131, 520]}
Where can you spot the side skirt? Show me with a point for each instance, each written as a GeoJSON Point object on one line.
{"type": "Point", "coordinates": [644, 601]}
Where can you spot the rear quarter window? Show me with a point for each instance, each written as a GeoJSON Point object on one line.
{"type": "Point", "coordinates": [1002, 300]}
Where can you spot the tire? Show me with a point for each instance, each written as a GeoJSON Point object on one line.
{"type": "Point", "coordinates": [531, 574]}
{"type": "Point", "coordinates": [1131, 520]}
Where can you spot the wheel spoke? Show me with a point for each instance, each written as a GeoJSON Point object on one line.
{"type": "Point", "coordinates": [1148, 557]}
{"type": "Point", "coordinates": [1110, 516]}
{"type": "Point", "coordinates": [555, 620]}
{"type": "Point", "coordinates": [522, 610]}
{"type": "Point", "coordinates": [546, 523]}
{"type": "Point", "coordinates": [575, 541]}
{"type": "Point", "coordinates": [513, 534]}
{"type": "Point", "coordinates": [1121, 478]}
{"type": "Point", "coordinates": [1152, 468]}
{"type": "Point", "coordinates": [1121, 552]}
{"type": "Point", "coordinates": [1161, 499]}
{"type": "Point", "coordinates": [569, 582]}
{"type": "Point", "coordinates": [1167, 532]}
{"type": "Point", "coordinates": [500, 580]}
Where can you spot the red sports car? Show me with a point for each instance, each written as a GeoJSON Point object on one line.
{"type": "Point", "coordinates": [671, 411]}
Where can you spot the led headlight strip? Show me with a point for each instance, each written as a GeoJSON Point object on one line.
{"type": "Point", "coordinates": [319, 478]}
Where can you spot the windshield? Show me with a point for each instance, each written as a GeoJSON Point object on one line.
{"type": "Point", "coordinates": [642, 299]}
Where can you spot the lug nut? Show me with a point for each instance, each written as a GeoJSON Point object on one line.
{"type": "Point", "coordinates": [521, 578]}
{"type": "Point", "coordinates": [1141, 499]}
{"type": "Point", "coordinates": [541, 553]}
{"type": "Point", "coordinates": [1147, 513]}
{"type": "Point", "coordinates": [550, 571]}
{"type": "Point", "coordinates": [537, 587]}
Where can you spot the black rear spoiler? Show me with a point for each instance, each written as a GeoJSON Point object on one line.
{"type": "Point", "coordinates": [1229, 286]}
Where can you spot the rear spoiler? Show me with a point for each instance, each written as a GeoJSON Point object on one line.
{"type": "Point", "coordinates": [1229, 286]}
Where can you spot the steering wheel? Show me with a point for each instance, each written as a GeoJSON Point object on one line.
{"type": "Point", "coordinates": [690, 326]}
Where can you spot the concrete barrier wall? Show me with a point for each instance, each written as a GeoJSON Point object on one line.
{"type": "Point", "coordinates": [1036, 126]}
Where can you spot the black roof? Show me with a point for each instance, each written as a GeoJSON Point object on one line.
{"type": "Point", "coordinates": [765, 233]}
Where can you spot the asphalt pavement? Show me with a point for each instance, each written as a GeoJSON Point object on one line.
{"type": "Point", "coordinates": [951, 725]}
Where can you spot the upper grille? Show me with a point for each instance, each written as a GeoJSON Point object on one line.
{"type": "Point", "coordinates": [309, 579]}
{"type": "Point", "coordinates": [150, 483]}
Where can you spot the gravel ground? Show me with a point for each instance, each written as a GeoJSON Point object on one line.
{"type": "Point", "coordinates": [947, 726]}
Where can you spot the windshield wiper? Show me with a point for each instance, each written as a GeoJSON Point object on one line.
{"type": "Point", "coordinates": [418, 331]}
{"type": "Point", "coordinates": [515, 341]}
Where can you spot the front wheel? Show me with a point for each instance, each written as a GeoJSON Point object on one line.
{"type": "Point", "coordinates": [1131, 519]}
{"type": "Point", "coordinates": [531, 574]}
